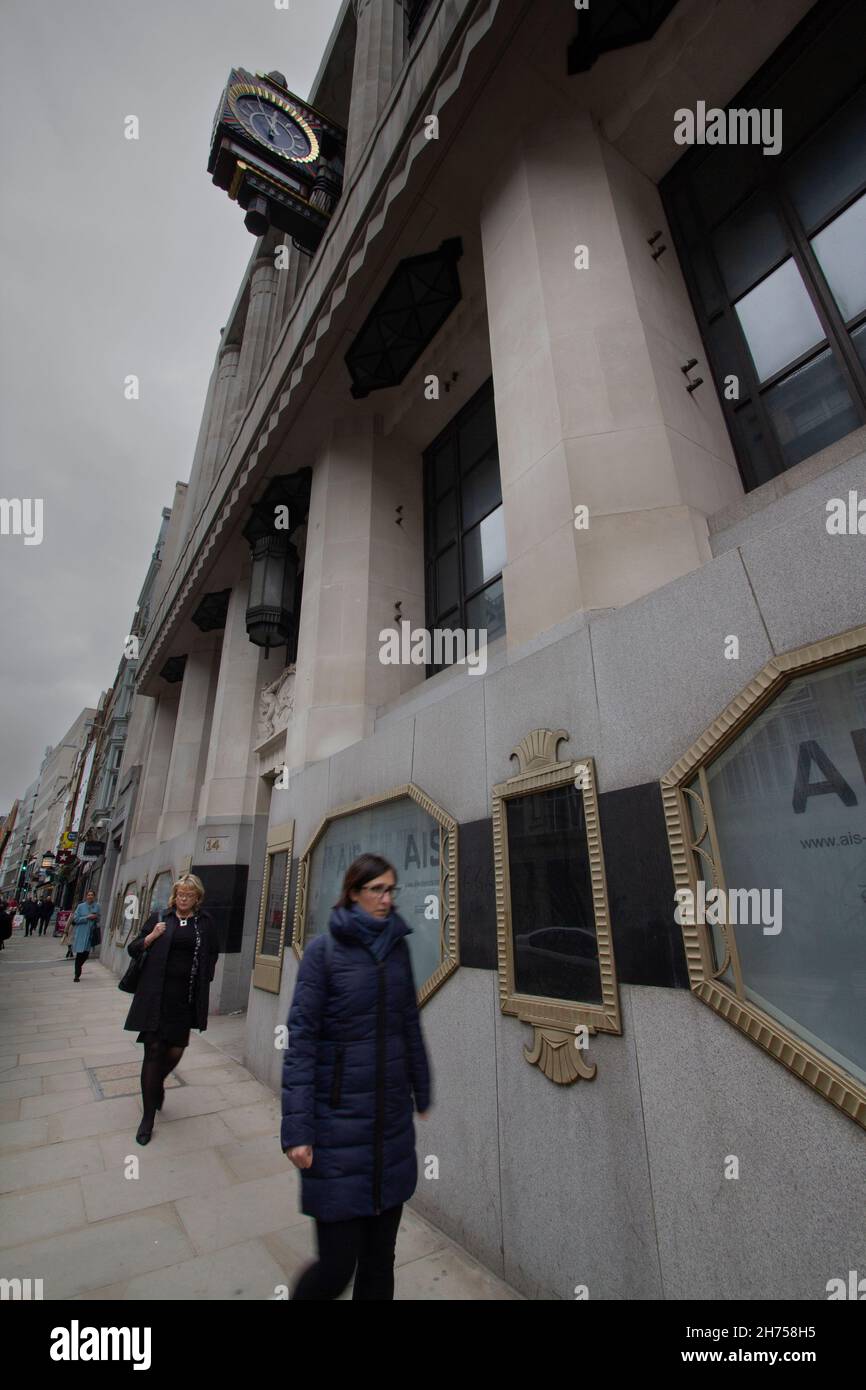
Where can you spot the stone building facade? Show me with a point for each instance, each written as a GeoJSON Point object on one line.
{"type": "Point", "coordinates": [618, 455]}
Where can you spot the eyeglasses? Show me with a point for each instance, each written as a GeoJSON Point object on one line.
{"type": "Point", "coordinates": [380, 892]}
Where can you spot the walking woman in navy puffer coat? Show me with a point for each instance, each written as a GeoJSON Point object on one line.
{"type": "Point", "coordinates": [355, 1059]}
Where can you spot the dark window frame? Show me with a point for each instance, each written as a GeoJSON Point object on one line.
{"type": "Point", "coordinates": [768, 178]}
{"type": "Point", "coordinates": [454, 618]}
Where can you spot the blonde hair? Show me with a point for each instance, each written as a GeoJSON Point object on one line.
{"type": "Point", "coordinates": [187, 881]}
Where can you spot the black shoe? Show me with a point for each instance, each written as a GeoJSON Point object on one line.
{"type": "Point", "coordinates": [144, 1133]}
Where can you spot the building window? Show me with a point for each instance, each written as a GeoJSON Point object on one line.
{"type": "Point", "coordinates": [771, 248]}
{"type": "Point", "coordinates": [127, 919]}
{"type": "Point", "coordinates": [556, 965]}
{"type": "Point", "coordinates": [420, 840]}
{"type": "Point", "coordinates": [764, 817]}
{"type": "Point", "coordinates": [274, 908]}
{"type": "Point", "coordinates": [464, 523]}
{"type": "Point", "coordinates": [160, 891]}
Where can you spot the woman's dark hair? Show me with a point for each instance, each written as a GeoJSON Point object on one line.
{"type": "Point", "coordinates": [365, 868]}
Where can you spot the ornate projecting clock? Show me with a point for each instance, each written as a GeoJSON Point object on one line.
{"type": "Point", "coordinates": [280, 158]}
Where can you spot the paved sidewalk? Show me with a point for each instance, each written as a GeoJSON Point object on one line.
{"type": "Point", "coordinates": [213, 1213]}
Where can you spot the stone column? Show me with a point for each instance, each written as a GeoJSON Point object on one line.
{"type": "Point", "coordinates": [289, 282]}
{"type": "Point", "coordinates": [591, 407]}
{"type": "Point", "coordinates": [193, 496]}
{"type": "Point", "coordinates": [231, 787]}
{"type": "Point", "coordinates": [380, 47]}
{"type": "Point", "coordinates": [154, 775]}
{"type": "Point", "coordinates": [221, 417]}
{"type": "Point", "coordinates": [191, 738]}
{"type": "Point", "coordinates": [258, 334]}
{"type": "Point", "coordinates": [358, 564]}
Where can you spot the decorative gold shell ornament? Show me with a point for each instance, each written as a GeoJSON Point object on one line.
{"type": "Point", "coordinates": [558, 1057]}
{"type": "Point", "coordinates": [537, 751]}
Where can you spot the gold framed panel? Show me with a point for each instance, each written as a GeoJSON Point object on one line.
{"type": "Point", "coordinates": [448, 895]}
{"type": "Point", "coordinates": [167, 869]}
{"type": "Point", "coordinates": [554, 1021]}
{"type": "Point", "coordinates": [267, 969]}
{"type": "Point", "coordinates": [124, 929]}
{"type": "Point", "coordinates": [116, 916]}
{"type": "Point", "coordinates": [687, 848]}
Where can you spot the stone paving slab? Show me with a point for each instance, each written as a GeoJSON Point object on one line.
{"type": "Point", "coordinates": [213, 1213]}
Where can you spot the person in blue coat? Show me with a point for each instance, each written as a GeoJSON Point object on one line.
{"type": "Point", "coordinates": [354, 1061]}
{"type": "Point", "coordinates": [85, 920]}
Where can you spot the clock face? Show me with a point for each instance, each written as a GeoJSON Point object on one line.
{"type": "Point", "coordinates": [273, 124]}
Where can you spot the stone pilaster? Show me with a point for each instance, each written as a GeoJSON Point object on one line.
{"type": "Point", "coordinates": [587, 337]}
{"type": "Point", "coordinates": [380, 48]}
{"type": "Point", "coordinates": [222, 416]}
{"type": "Point", "coordinates": [191, 738]}
{"type": "Point", "coordinates": [231, 785]}
{"type": "Point", "coordinates": [154, 776]}
{"type": "Point", "coordinates": [258, 333]}
{"type": "Point", "coordinates": [359, 564]}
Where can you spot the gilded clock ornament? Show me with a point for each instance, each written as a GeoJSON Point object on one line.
{"type": "Point", "coordinates": [278, 157]}
{"type": "Point", "coordinates": [270, 120]}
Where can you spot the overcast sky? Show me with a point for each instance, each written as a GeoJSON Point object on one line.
{"type": "Point", "coordinates": [119, 257]}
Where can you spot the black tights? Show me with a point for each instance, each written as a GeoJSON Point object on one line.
{"type": "Point", "coordinates": [368, 1242]}
{"type": "Point", "coordinates": [160, 1058]}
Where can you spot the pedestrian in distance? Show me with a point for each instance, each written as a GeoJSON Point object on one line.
{"type": "Point", "coordinates": [46, 910]}
{"type": "Point", "coordinates": [68, 926]}
{"type": "Point", "coordinates": [85, 925]}
{"type": "Point", "coordinates": [354, 1061]}
{"type": "Point", "coordinates": [178, 955]}
{"type": "Point", "coordinates": [5, 925]}
{"type": "Point", "coordinates": [30, 913]}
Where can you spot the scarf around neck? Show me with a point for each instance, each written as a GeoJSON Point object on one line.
{"type": "Point", "coordinates": [375, 932]}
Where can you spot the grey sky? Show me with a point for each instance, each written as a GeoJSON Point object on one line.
{"type": "Point", "coordinates": [119, 256]}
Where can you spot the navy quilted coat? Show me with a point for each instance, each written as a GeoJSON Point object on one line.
{"type": "Point", "coordinates": [355, 1058]}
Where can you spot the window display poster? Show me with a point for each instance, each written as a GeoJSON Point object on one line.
{"type": "Point", "coordinates": [410, 839]}
{"type": "Point", "coordinates": [789, 801]}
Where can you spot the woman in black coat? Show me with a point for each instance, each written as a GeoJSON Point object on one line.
{"type": "Point", "coordinates": [355, 1059]}
{"type": "Point", "coordinates": [173, 988]}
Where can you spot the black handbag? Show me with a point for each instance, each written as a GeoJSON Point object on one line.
{"type": "Point", "coordinates": [128, 982]}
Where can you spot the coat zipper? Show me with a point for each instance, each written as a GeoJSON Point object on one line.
{"type": "Point", "coordinates": [379, 1133]}
{"type": "Point", "coordinates": [338, 1076]}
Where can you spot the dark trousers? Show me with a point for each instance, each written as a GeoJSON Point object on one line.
{"type": "Point", "coordinates": [369, 1242]}
{"type": "Point", "coordinates": [80, 958]}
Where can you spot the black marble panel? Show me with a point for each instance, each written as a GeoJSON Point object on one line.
{"type": "Point", "coordinates": [225, 891]}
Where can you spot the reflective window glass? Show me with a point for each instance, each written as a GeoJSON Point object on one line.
{"type": "Point", "coordinates": [481, 489]}
{"type": "Point", "coordinates": [486, 611]}
{"type": "Point", "coordinates": [552, 912]}
{"type": "Point", "coordinates": [484, 550]}
{"type": "Point", "coordinates": [749, 243]}
{"type": "Point", "coordinates": [841, 251]}
{"type": "Point", "coordinates": [447, 580]}
{"type": "Point", "coordinates": [788, 819]}
{"type": "Point", "coordinates": [445, 525]}
{"type": "Point", "coordinates": [779, 320]}
{"type": "Point", "coordinates": [477, 434]}
{"type": "Point", "coordinates": [832, 165]}
{"type": "Point", "coordinates": [273, 923]}
{"type": "Point", "coordinates": [810, 409]}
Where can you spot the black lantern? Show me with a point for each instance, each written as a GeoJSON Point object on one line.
{"type": "Point", "coordinates": [48, 860]}
{"type": "Point", "coordinates": [272, 611]}
{"type": "Point", "coordinates": [273, 582]}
